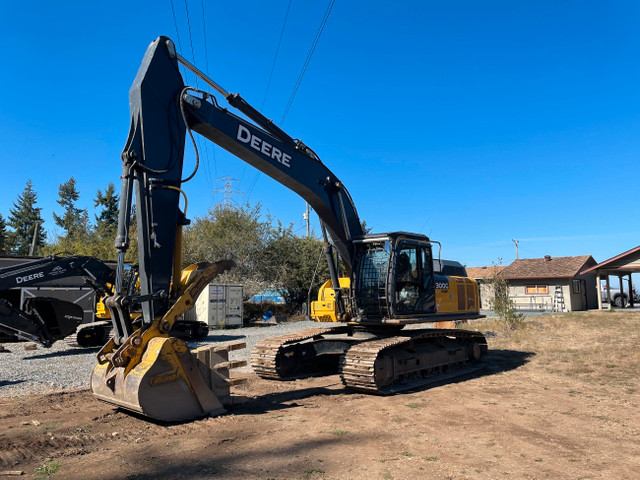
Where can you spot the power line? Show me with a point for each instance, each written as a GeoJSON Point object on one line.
{"type": "Point", "coordinates": [306, 63]}
{"type": "Point", "coordinates": [185, 73]}
{"type": "Point", "coordinates": [273, 66]}
{"type": "Point", "coordinates": [175, 24]}
{"type": "Point", "coordinates": [302, 72]}
{"type": "Point", "coordinates": [206, 148]}
{"type": "Point", "coordinates": [275, 58]}
{"type": "Point", "coordinates": [193, 55]}
{"type": "Point", "coordinates": [204, 34]}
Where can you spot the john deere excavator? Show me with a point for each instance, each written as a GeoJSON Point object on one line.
{"type": "Point", "coordinates": [392, 281]}
{"type": "Point", "coordinates": [42, 319]}
{"type": "Point", "coordinates": [46, 320]}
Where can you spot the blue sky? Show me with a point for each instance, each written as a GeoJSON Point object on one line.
{"type": "Point", "coordinates": [473, 122]}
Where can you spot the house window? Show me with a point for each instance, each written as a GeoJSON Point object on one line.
{"type": "Point", "coordinates": [536, 289]}
{"type": "Point", "coordinates": [576, 286]}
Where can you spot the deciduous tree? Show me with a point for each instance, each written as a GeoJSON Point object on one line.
{"type": "Point", "coordinates": [502, 303]}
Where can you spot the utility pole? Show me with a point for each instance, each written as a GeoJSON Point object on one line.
{"type": "Point", "coordinates": [32, 249]}
{"type": "Point", "coordinates": [516, 242]}
{"type": "Point", "coordinates": [305, 217]}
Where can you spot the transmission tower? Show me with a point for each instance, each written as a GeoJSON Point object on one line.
{"type": "Point", "coordinates": [229, 191]}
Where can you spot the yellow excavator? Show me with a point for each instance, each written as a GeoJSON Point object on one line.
{"type": "Point", "coordinates": [392, 280]}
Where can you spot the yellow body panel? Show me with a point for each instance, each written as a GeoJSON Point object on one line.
{"type": "Point", "coordinates": [460, 297]}
{"type": "Point", "coordinates": [324, 309]}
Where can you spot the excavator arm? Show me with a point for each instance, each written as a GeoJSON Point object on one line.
{"type": "Point", "coordinates": [292, 166]}
{"type": "Point", "coordinates": [163, 112]}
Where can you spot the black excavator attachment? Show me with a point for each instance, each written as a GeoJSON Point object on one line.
{"type": "Point", "coordinates": [43, 320]}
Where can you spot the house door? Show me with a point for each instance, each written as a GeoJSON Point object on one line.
{"type": "Point", "coordinates": [583, 291]}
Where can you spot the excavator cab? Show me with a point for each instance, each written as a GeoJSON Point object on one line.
{"type": "Point", "coordinates": [393, 276]}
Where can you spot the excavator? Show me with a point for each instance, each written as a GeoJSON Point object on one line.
{"type": "Point", "coordinates": [392, 280]}
{"type": "Point", "coordinates": [46, 320]}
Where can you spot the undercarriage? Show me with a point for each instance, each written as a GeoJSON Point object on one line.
{"type": "Point", "coordinates": [369, 362]}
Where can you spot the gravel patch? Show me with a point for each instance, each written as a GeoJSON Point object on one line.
{"type": "Point", "coordinates": [62, 367]}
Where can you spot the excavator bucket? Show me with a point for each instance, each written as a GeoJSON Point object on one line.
{"type": "Point", "coordinates": [157, 375]}
{"type": "Point", "coordinates": [166, 385]}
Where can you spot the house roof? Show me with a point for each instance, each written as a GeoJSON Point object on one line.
{"type": "Point", "coordinates": [484, 272]}
{"type": "Point", "coordinates": [624, 263]}
{"type": "Point", "coordinates": [547, 267]}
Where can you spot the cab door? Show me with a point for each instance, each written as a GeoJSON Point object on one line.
{"type": "Point", "coordinates": [414, 283]}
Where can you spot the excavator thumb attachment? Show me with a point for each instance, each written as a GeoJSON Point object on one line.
{"type": "Point", "coordinates": [166, 385]}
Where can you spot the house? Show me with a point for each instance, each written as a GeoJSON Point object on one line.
{"type": "Point", "coordinates": [552, 283]}
{"type": "Point", "coordinates": [483, 276]}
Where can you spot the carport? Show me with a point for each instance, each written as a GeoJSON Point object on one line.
{"type": "Point", "coordinates": [621, 266]}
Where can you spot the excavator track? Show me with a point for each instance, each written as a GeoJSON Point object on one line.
{"type": "Point", "coordinates": [268, 355]}
{"type": "Point", "coordinates": [90, 335]}
{"type": "Point", "coordinates": [381, 365]}
{"type": "Point", "coordinates": [388, 365]}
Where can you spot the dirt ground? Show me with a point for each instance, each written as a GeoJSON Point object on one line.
{"type": "Point", "coordinates": [558, 399]}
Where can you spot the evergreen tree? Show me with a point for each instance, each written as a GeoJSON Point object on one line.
{"type": "Point", "coordinates": [3, 235]}
{"type": "Point", "coordinates": [74, 221]}
{"type": "Point", "coordinates": [107, 221]}
{"type": "Point", "coordinates": [23, 218]}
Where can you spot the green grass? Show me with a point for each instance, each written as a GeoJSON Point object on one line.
{"type": "Point", "coordinates": [311, 473]}
{"type": "Point", "coordinates": [339, 432]}
{"type": "Point", "coordinates": [44, 472]}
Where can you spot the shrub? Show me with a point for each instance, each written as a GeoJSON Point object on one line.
{"type": "Point", "coordinates": [503, 304]}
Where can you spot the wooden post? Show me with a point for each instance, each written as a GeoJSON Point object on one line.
{"type": "Point", "coordinates": [621, 291]}
{"type": "Point", "coordinates": [631, 304]}
{"type": "Point", "coordinates": [609, 293]}
{"type": "Point", "coordinates": [598, 287]}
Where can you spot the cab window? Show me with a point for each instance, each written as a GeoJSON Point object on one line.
{"type": "Point", "coordinates": [414, 278]}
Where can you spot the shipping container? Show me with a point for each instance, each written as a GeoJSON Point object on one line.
{"type": "Point", "coordinates": [218, 306]}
